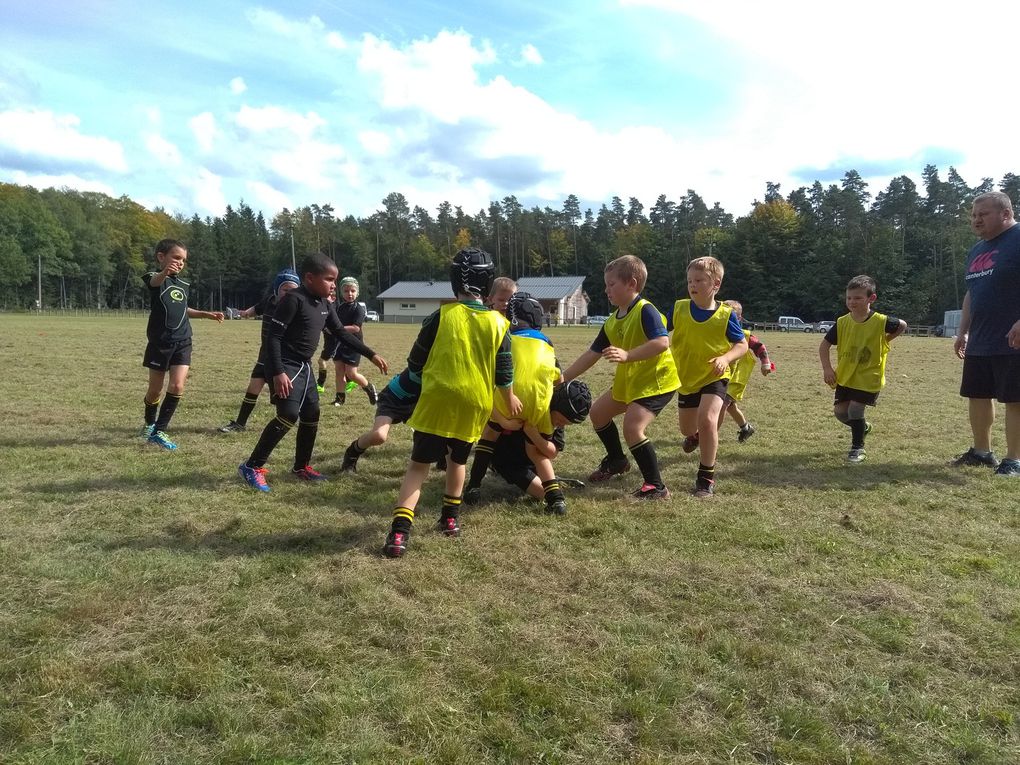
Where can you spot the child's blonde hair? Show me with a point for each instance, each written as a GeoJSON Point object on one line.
{"type": "Point", "coordinates": [712, 266]}
{"type": "Point", "coordinates": [503, 283]}
{"type": "Point", "coordinates": [738, 309]}
{"type": "Point", "coordinates": [629, 267]}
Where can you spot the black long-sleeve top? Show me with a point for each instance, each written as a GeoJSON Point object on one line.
{"type": "Point", "coordinates": [296, 325]}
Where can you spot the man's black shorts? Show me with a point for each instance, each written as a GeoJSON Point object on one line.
{"type": "Point", "coordinates": [346, 355]}
{"type": "Point", "coordinates": [656, 403]}
{"type": "Point", "coordinates": [428, 448]}
{"type": "Point", "coordinates": [163, 356]}
{"type": "Point", "coordinates": [853, 394]}
{"type": "Point", "coordinates": [391, 405]}
{"type": "Point", "coordinates": [693, 400]}
{"type": "Point", "coordinates": [258, 372]}
{"type": "Point", "coordinates": [995, 377]}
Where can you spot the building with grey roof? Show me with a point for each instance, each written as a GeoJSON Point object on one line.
{"type": "Point", "coordinates": [562, 297]}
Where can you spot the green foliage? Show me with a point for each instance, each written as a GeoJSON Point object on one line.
{"type": "Point", "coordinates": [788, 254]}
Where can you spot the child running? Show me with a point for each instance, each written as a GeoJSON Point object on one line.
{"type": "Point", "coordinates": [707, 339]}
{"type": "Point", "coordinates": [634, 338]}
{"type": "Point", "coordinates": [284, 282]}
{"type": "Point", "coordinates": [345, 359]}
{"type": "Point", "coordinates": [462, 354]}
{"type": "Point", "coordinates": [740, 376]}
{"type": "Point", "coordinates": [293, 335]}
{"type": "Point", "coordinates": [862, 340]}
{"type": "Point", "coordinates": [169, 340]}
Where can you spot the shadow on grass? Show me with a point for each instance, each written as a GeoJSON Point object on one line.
{"type": "Point", "coordinates": [148, 482]}
{"type": "Point", "coordinates": [230, 540]}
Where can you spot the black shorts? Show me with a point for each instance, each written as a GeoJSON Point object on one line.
{"type": "Point", "coordinates": [693, 400]}
{"type": "Point", "coordinates": [853, 394]}
{"type": "Point", "coordinates": [428, 448]}
{"type": "Point", "coordinates": [329, 347]}
{"type": "Point", "coordinates": [258, 372]}
{"type": "Point", "coordinates": [346, 355]}
{"type": "Point", "coordinates": [520, 476]}
{"type": "Point", "coordinates": [995, 377]}
{"type": "Point", "coordinates": [656, 403]}
{"type": "Point", "coordinates": [163, 356]}
{"type": "Point", "coordinates": [302, 391]}
{"type": "Point", "coordinates": [391, 405]}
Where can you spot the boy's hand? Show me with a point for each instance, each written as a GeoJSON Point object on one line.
{"type": "Point", "coordinates": [173, 267]}
{"type": "Point", "coordinates": [380, 362]}
{"type": "Point", "coordinates": [282, 385]}
{"type": "Point", "coordinates": [767, 368]}
{"type": "Point", "coordinates": [829, 375]}
{"type": "Point", "coordinates": [218, 315]}
{"type": "Point", "coordinates": [719, 365]}
{"type": "Point", "coordinates": [614, 354]}
{"type": "Point", "coordinates": [516, 407]}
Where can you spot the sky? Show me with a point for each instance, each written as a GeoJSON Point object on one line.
{"type": "Point", "coordinates": [191, 106]}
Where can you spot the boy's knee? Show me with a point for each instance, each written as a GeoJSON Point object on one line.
{"type": "Point", "coordinates": [175, 389]}
{"type": "Point", "coordinates": [376, 437]}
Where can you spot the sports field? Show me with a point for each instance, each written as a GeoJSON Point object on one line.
{"type": "Point", "coordinates": [153, 609]}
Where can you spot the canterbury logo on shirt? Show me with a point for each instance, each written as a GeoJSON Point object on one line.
{"type": "Point", "coordinates": [982, 265]}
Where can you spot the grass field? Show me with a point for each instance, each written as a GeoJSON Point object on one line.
{"type": "Point", "coordinates": [155, 610]}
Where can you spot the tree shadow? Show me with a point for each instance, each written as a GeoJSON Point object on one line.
{"type": "Point", "coordinates": [231, 541]}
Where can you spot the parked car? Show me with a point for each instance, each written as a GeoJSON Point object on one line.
{"type": "Point", "coordinates": [792, 324]}
{"type": "Point", "coordinates": [595, 319]}
{"type": "Point", "coordinates": [824, 326]}
{"type": "Point", "coordinates": [371, 316]}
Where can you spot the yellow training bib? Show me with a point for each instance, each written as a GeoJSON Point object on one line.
{"type": "Point", "coordinates": [695, 342]}
{"type": "Point", "coordinates": [861, 349]}
{"type": "Point", "coordinates": [458, 378]}
{"type": "Point", "coordinates": [534, 374]}
{"type": "Point", "coordinates": [740, 373]}
{"type": "Point", "coordinates": [638, 379]}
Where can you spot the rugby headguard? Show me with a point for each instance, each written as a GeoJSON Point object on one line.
{"type": "Point", "coordinates": [286, 275]}
{"type": "Point", "coordinates": [472, 273]}
{"type": "Point", "coordinates": [572, 400]}
{"type": "Point", "coordinates": [524, 312]}
{"type": "Point", "coordinates": [350, 280]}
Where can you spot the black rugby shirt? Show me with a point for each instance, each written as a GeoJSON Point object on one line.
{"type": "Point", "coordinates": [297, 322]}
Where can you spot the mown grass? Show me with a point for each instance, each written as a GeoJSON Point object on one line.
{"type": "Point", "coordinates": [153, 609]}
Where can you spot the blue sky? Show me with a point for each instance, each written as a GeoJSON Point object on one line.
{"type": "Point", "coordinates": [192, 106]}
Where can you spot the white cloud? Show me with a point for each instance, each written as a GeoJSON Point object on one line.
{"type": "Point", "coordinates": [238, 86]}
{"type": "Point", "coordinates": [308, 33]}
{"type": "Point", "coordinates": [162, 149]}
{"type": "Point", "coordinates": [269, 198]}
{"type": "Point", "coordinates": [375, 142]}
{"type": "Point", "coordinates": [271, 118]}
{"type": "Point", "coordinates": [55, 138]}
{"type": "Point", "coordinates": [336, 41]}
{"type": "Point", "coordinates": [530, 55]}
{"type": "Point", "coordinates": [59, 181]}
{"type": "Point", "coordinates": [203, 127]}
{"type": "Point", "coordinates": [310, 163]}
{"type": "Point", "coordinates": [207, 192]}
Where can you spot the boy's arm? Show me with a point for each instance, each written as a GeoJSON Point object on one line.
{"type": "Point", "coordinates": [195, 314]}
{"type": "Point", "coordinates": [646, 350]}
{"type": "Point", "coordinates": [828, 373]}
{"type": "Point", "coordinates": [504, 377]}
{"type": "Point", "coordinates": [899, 329]}
{"type": "Point", "coordinates": [172, 268]}
{"type": "Point", "coordinates": [351, 340]}
{"type": "Point", "coordinates": [540, 443]}
{"type": "Point", "coordinates": [282, 317]}
{"type": "Point", "coordinates": [584, 362]}
{"type": "Point", "coordinates": [736, 352]}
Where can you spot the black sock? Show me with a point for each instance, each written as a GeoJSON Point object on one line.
{"type": "Point", "coordinates": [166, 412]}
{"type": "Point", "coordinates": [648, 463]}
{"type": "Point", "coordinates": [857, 433]}
{"type": "Point", "coordinates": [322, 378]}
{"type": "Point", "coordinates": [247, 406]}
{"type": "Point", "coordinates": [150, 412]}
{"type": "Point", "coordinates": [480, 466]}
{"type": "Point", "coordinates": [553, 492]}
{"type": "Point", "coordinates": [354, 450]}
{"type": "Point", "coordinates": [610, 438]}
{"type": "Point", "coordinates": [306, 432]}
{"type": "Point", "coordinates": [451, 507]}
{"type": "Point", "coordinates": [274, 431]}
{"type": "Point", "coordinates": [403, 519]}
{"type": "Point", "coordinates": [706, 476]}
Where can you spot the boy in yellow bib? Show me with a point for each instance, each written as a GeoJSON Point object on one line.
{"type": "Point", "coordinates": [634, 338]}
{"type": "Point", "coordinates": [862, 340]}
{"type": "Point", "coordinates": [707, 339]}
{"type": "Point", "coordinates": [462, 353]}
{"type": "Point", "coordinates": [741, 375]}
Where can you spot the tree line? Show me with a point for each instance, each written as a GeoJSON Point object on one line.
{"type": "Point", "coordinates": [790, 254]}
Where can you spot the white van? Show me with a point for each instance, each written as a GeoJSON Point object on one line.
{"type": "Point", "coordinates": [791, 324]}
